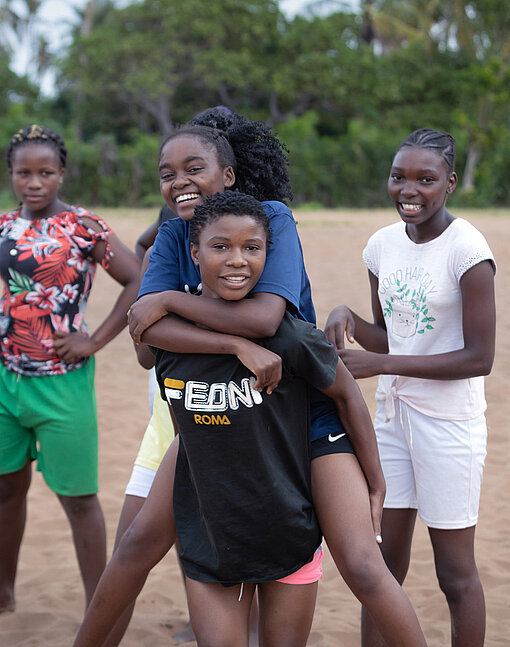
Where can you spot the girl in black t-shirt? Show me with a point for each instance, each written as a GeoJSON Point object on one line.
{"type": "Point", "coordinates": [229, 247]}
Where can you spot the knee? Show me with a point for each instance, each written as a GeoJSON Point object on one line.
{"type": "Point", "coordinates": [141, 545]}
{"type": "Point", "coordinates": [79, 506]}
{"type": "Point", "coordinates": [456, 583]}
{"type": "Point", "coordinates": [216, 639]}
{"type": "Point", "coordinates": [364, 573]}
{"type": "Point", "coordinates": [14, 487]}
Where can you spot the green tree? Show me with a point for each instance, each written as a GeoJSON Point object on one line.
{"type": "Point", "coordinates": [149, 56]}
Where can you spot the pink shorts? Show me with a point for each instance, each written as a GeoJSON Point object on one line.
{"type": "Point", "coordinates": [307, 574]}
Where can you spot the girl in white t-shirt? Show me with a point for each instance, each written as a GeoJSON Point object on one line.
{"type": "Point", "coordinates": [432, 341]}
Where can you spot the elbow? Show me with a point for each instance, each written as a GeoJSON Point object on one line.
{"type": "Point", "coordinates": [486, 367]}
{"type": "Point", "coordinates": [269, 329]}
{"type": "Point", "coordinates": [259, 327]}
{"type": "Point", "coordinates": [482, 366]}
{"type": "Point", "coordinates": [265, 329]}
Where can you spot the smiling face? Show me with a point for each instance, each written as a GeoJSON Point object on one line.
{"type": "Point", "coordinates": [419, 185]}
{"type": "Point", "coordinates": [231, 254]}
{"type": "Point", "coordinates": [189, 171]}
{"type": "Point", "coordinates": [36, 177]}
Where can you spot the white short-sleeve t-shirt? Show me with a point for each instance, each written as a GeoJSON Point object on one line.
{"type": "Point", "coordinates": [419, 293]}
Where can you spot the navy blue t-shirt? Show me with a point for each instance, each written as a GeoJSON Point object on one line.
{"type": "Point", "coordinates": [172, 268]}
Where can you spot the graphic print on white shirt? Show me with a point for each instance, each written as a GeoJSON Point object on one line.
{"type": "Point", "coordinates": [407, 306]}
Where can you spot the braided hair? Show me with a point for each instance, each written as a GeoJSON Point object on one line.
{"type": "Point", "coordinates": [37, 135]}
{"type": "Point", "coordinates": [228, 203]}
{"type": "Point", "coordinates": [258, 157]}
{"type": "Point", "coordinates": [442, 143]}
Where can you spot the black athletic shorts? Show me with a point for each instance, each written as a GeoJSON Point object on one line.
{"type": "Point", "coordinates": [332, 444]}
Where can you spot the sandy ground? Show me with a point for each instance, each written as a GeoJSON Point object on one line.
{"type": "Point", "coordinates": [49, 592]}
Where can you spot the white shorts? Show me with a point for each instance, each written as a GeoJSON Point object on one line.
{"type": "Point", "coordinates": [432, 464]}
{"type": "Point", "coordinates": [141, 481]}
{"type": "Point", "coordinates": [153, 387]}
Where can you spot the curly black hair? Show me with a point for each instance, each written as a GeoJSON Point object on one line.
{"type": "Point", "coordinates": [436, 140]}
{"type": "Point", "coordinates": [219, 117]}
{"type": "Point", "coordinates": [258, 157]}
{"type": "Point", "coordinates": [228, 203]}
{"type": "Point", "coordinates": [37, 135]}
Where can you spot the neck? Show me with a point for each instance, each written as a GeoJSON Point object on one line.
{"type": "Point", "coordinates": [429, 230]}
{"type": "Point", "coordinates": [51, 210]}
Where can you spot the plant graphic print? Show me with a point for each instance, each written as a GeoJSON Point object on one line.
{"type": "Point", "coordinates": [409, 311]}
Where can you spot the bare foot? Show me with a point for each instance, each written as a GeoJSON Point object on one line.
{"type": "Point", "coordinates": [185, 636]}
{"type": "Point", "coordinates": [7, 605]}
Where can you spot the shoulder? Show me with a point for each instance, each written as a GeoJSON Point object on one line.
{"type": "Point", "coordinates": [463, 230]}
{"type": "Point", "coordinates": [87, 219]}
{"type": "Point", "coordinates": [305, 351]}
{"type": "Point", "coordinates": [275, 209]}
{"type": "Point", "coordinates": [165, 214]}
{"type": "Point", "coordinates": [468, 246]}
{"type": "Point", "coordinates": [389, 235]}
{"type": "Point", "coordinates": [9, 217]}
{"type": "Point", "coordinates": [390, 232]}
{"type": "Point", "coordinates": [295, 333]}
{"type": "Point", "coordinates": [175, 227]}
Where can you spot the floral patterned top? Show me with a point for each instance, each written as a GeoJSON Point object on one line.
{"type": "Point", "coordinates": [47, 268]}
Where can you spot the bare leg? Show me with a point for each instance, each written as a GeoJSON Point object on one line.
{"type": "Point", "coordinates": [13, 513]}
{"type": "Point", "coordinates": [186, 635]}
{"type": "Point", "coordinates": [341, 500]}
{"type": "Point", "coordinates": [218, 617]}
{"type": "Point", "coordinates": [132, 506]}
{"type": "Point", "coordinates": [89, 536]}
{"type": "Point", "coordinates": [458, 579]}
{"type": "Point", "coordinates": [144, 544]}
{"type": "Point", "coordinates": [397, 531]}
{"type": "Point", "coordinates": [286, 613]}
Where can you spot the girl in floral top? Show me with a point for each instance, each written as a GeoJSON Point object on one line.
{"type": "Point", "coordinates": [48, 256]}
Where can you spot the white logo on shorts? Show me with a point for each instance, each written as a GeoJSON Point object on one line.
{"type": "Point", "coordinates": [332, 439]}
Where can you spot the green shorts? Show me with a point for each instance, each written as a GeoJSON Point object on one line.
{"type": "Point", "coordinates": [52, 419]}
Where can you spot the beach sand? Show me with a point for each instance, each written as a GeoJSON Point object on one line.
{"type": "Point", "coordinates": [49, 592]}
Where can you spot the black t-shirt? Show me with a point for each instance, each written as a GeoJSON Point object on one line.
{"type": "Point", "coordinates": [242, 499]}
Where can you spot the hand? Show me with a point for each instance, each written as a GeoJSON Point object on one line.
{"type": "Point", "coordinates": [376, 497]}
{"type": "Point", "coordinates": [70, 346]}
{"type": "Point", "coordinates": [340, 325]}
{"type": "Point", "coordinates": [263, 363]}
{"type": "Point", "coordinates": [143, 313]}
{"type": "Point", "coordinates": [362, 363]}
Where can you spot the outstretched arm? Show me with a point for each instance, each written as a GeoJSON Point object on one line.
{"type": "Point", "coordinates": [474, 359]}
{"type": "Point", "coordinates": [144, 544]}
{"type": "Point", "coordinates": [355, 417]}
{"type": "Point", "coordinates": [344, 323]}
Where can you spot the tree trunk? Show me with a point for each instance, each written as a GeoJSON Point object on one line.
{"type": "Point", "coordinates": [468, 178]}
{"type": "Point", "coordinates": [85, 30]}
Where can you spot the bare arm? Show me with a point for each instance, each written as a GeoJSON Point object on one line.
{"type": "Point", "coordinates": [256, 317]}
{"type": "Point", "coordinates": [355, 417]}
{"type": "Point", "coordinates": [124, 267]}
{"type": "Point", "coordinates": [474, 359]}
{"type": "Point", "coordinates": [175, 335]}
{"type": "Point", "coordinates": [345, 323]}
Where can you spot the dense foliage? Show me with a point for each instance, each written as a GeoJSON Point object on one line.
{"type": "Point", "coordinates": [341, 89]}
